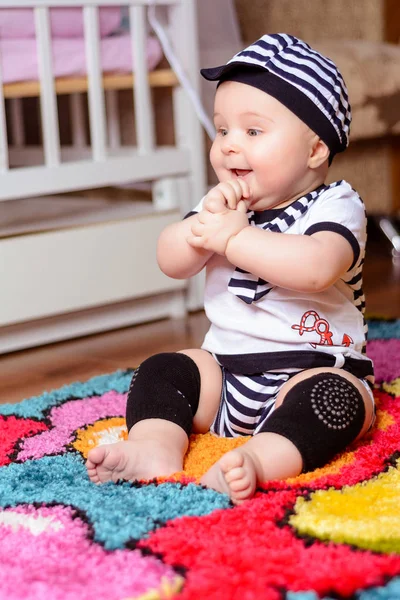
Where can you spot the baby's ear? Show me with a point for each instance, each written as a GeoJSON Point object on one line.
{"type": "Point", "coordinates": [319, 153]}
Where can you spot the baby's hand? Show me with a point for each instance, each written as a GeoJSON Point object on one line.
{"type": "Point", "coordinates": [226, 195]}
{"type": "Point", "coordinates": [213, 231]}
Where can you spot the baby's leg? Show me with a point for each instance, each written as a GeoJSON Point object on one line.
{"type": "Point", "coordinates": [319, 412]}
{"type": "Point", "coordinates": [266, 456]}
{"type": "Point", "coordinates": [170, 392]}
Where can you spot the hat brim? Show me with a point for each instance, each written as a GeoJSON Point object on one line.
{"type": "Point", "coordinates": [216, 73]}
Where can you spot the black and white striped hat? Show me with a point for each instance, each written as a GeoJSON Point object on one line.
{"type": "Point", "coordinates": [302, 79]}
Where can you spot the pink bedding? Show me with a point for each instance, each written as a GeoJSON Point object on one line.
{"type": "Point", "coordinates": [19, 57]}
{"type": "Point", "coordinates": [17, 23]}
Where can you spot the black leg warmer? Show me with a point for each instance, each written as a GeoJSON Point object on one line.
{"type": "Point", "coordinates": [165, 386]}
{"type": "Point", "coordinates": [320, 416]}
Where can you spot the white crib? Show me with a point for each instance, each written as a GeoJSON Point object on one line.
{"type": "Point", "coordinates": [95, 270]}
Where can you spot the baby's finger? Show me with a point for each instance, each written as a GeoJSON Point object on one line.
{"type": "Point", "coordinates": [242, 207]}
{"type": "Point", "coordinates": [197, 228]}
{"type": "Point", "coordinates": [200, 216]}
{"type": "Point", "coordinates": [229, 193]}
{"type": "Point", "coordinates": [241, 190]}
{"type": "Point", "coordinates": [215, 203]}
{"type": "Point", "coordinates": [244, 186]}
{"type": "Point", "coordinates": [205, 216]}
{"type": "Point", "coordinates": [195, 241]}
{"type": "Point", "coordinates": [237, 185]}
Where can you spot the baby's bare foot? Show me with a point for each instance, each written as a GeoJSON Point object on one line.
{"type": "Point", "coordinates": [234, 474]}
{"type": "Point", "coordinates": [130, 460]}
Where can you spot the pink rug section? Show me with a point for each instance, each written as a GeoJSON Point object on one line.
{"type": "Point", "coordinates": [386, 357]}
{"type": "Point", "coordinates": [66, 419]}
{"type": "Point", "coordinates": [59, 563]}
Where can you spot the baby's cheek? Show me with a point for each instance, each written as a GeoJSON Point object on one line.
{"type": "Point", "coordinates": [215, 156]}
{"type": "Point", "coordinates": [217, 163]}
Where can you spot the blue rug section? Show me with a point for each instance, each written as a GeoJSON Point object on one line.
{"type": "Point", "coordinates": [34, 407]}
{"type": "Point", "coordinates": [383, 330]}
{"type": "Point", "coordinates": [117, 513]}
{"type": "Point", "coordinates": [391, 591]}
{"type": "Point", "coordinates": [302, 596]}
{"type": "Point", "coordinates": [305, 596]}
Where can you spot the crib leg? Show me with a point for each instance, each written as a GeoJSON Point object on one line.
{"type": "Point", "coordinates": [114, 134]}
{"type": "Point", "coordinates": [17, 122]}
{"type": "Point", "coordinates": [77, 120]}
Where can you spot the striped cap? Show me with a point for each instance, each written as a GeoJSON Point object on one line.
{"type": "Point", "coordinates": [306, 82]}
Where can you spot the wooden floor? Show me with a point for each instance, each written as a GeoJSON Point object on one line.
{"type": "Point", "coordinates": [31, 372]}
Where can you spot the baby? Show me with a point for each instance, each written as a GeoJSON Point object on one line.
{"type": "Point", "coordinates": [284, 359]}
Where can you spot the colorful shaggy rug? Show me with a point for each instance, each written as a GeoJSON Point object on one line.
{"type": "Point", "coordinates": [333, 533]}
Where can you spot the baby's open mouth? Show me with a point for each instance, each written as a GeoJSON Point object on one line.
{"type": "Point", "coordinates": [241, 172]}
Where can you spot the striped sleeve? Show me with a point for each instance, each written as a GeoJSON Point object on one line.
{"type": "Point", "coordinates": [195, 210]}
{"type": "Point", "coordinates": [340, 210]}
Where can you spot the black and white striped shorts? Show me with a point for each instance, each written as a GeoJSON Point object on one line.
{"type": "Point", "coordinates": [248, 400]}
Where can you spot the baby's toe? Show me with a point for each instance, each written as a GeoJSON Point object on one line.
{"type": "Point", "coordinates": [234, 474]}
{"type": "Point", "coordinates": [231, 460]}
{"type": "Point", "coordinates": [239, 485]}
{"type": "Point", "coordinates": [90, 465]}
{"type": "Point", "coordinates": [241, 495]}
{"type": "Point", "coordinates": [94, 478]}
{"type": "Point", "coordinates": [95, 456]}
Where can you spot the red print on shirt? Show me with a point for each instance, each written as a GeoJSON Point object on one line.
{"type": "Point", "coordinates": [321, 327]}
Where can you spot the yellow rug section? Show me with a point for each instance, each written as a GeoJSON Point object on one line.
{"type": "Point", "coordinates": [168, 590]}
{"type": "Point", "coordinates": [393, 387]}
{"type": "Point", "coordinates": [104, 431]}
{"type": "Point", "coordinates": [366, 515]}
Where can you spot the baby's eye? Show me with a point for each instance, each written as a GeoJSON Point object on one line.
{"type": "Point", "coordinates": [222, 131]}
{"type": "Point", "coordinates": [253, 132]}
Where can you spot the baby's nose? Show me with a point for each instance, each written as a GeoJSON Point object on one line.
{"type": "Point", "coordinates": [229, 146]}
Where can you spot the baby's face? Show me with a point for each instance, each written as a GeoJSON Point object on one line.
{"type": "Point", "coordinates": [261, 140]}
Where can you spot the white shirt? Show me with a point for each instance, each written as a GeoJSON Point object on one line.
{"type": "Point", "coordinates": [287, 328]}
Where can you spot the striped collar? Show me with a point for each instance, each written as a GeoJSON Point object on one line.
{"type": "Point", "coordinates": [268, 215]}
{"type": "Point", "coordinates": [248, 287]}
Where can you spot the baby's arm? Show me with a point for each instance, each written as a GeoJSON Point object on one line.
{"type": "Point", "coordinates": [176, 258]}
{"type": "Point", "coordinates": [308, 263]}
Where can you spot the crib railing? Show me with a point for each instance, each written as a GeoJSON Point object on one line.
{"type": "Point", "coordinates": [106, 162]}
